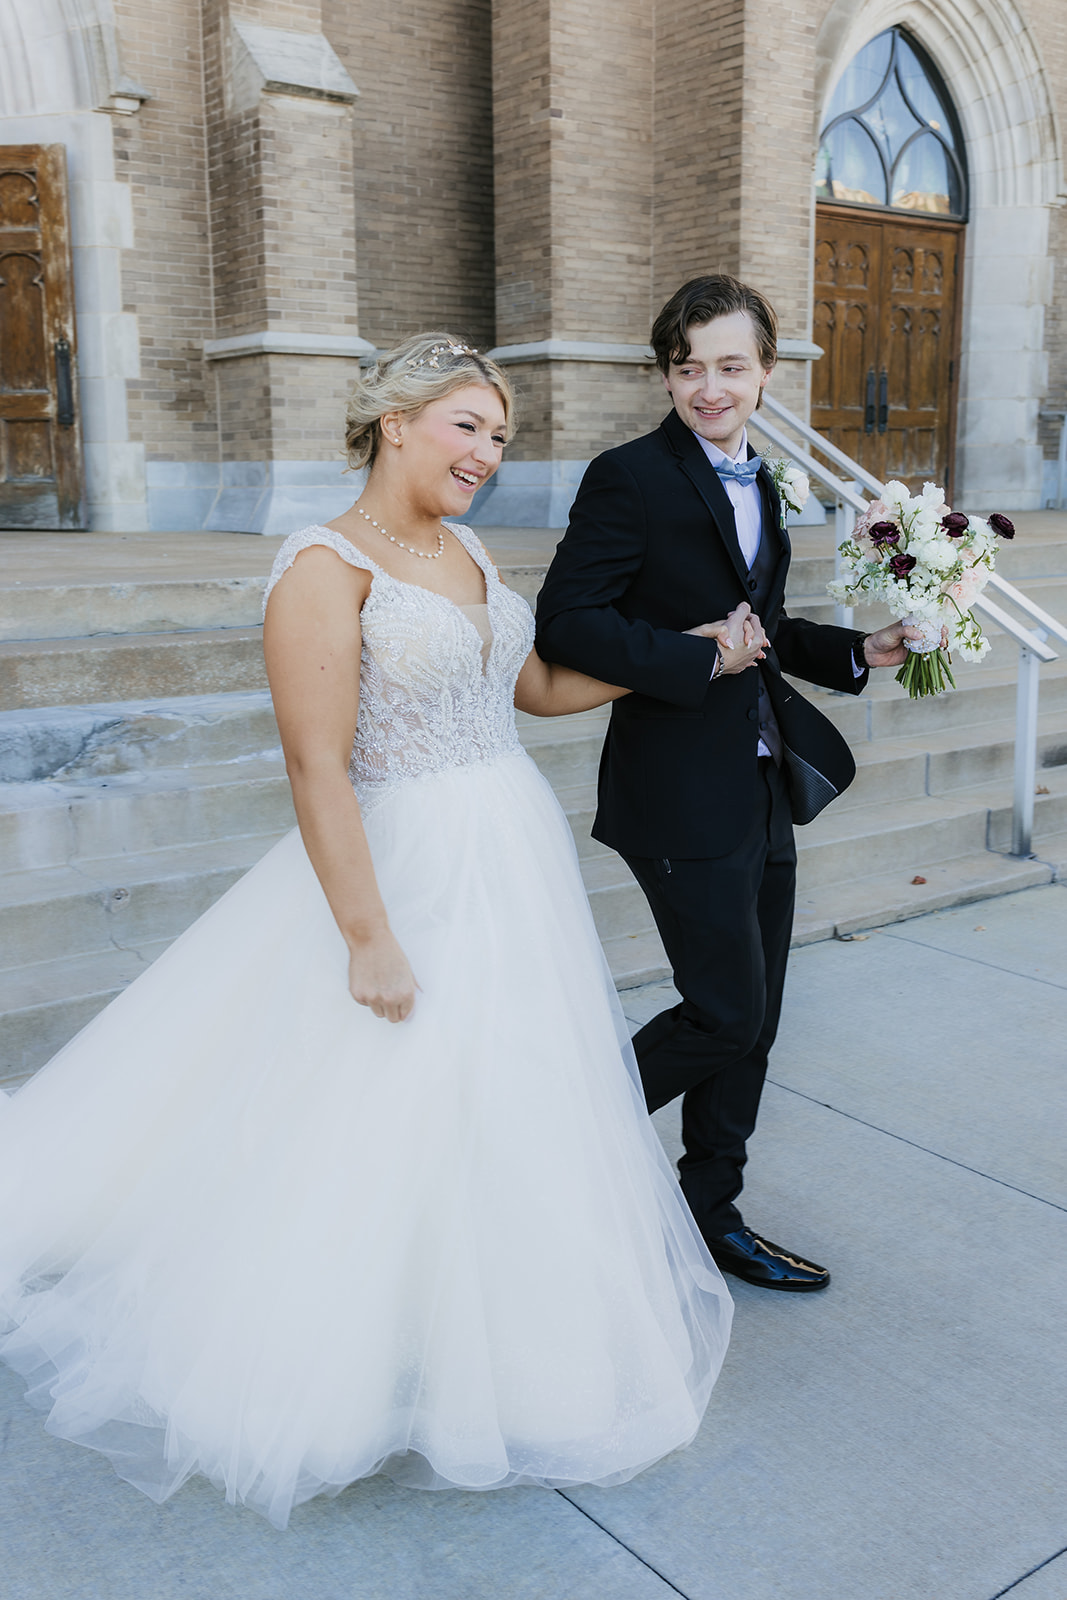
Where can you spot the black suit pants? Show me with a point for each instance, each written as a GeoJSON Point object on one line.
{"type": "Point", "coordinates": [726, 924]}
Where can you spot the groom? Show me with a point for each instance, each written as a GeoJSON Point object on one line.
{"type": "Point", "coordinates": [714, 756]}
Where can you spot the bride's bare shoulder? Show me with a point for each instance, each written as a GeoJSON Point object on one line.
{"type": "Point", "coordinates": [318, 558]}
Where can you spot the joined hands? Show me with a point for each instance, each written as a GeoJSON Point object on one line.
{"type": "Point", "coordinates": [740, 639]}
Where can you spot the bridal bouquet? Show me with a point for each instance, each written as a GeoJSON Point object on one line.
{"type": "Point", "coordinates": [928, 565]}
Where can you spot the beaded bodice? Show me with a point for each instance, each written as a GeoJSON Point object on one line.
{"type": "Point", "coordinates": [427, 698]}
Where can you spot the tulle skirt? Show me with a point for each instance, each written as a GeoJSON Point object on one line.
{"type": "Point", "coordinates": [249, 1230]}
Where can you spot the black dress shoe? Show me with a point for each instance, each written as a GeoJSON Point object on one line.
{"type": "Point", "coordinates": [758, 1261]}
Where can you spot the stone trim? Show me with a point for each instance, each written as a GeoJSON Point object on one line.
{"type": "Point", "coordinates": [799, 350]}
{"type": "Point", "coordinates": [638, 355]}
{"type": "Point", "coordinates": [279, 342]}
{"type": "Point", "coordinates": [282, 61]}
{"type": "Point", "coordinates": [572, 350]}
{"type": "Point", "coordinates": [264, 497]}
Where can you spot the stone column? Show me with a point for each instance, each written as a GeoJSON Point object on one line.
{"type": "Point", "coordinates": [636, 147]}
{"type": "Point", "coordinates": [286, 344]}
{"type": "Point", "coordinates": [735, 159]}
{"type": "Point", "coordinates": [573, 184]}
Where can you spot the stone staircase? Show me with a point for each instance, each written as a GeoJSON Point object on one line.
{"type": "Point", "coordinates": [140, 772]}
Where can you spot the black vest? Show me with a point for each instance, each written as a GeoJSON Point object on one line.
{"type": "Point", "coordinates": [760, 575]}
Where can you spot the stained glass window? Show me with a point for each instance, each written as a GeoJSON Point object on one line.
{"type": "Point", "coordinates": [891, 136]}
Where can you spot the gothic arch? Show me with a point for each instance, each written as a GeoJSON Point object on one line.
{"type": "Point", "coordinates": [59, 58]}
{"type": "Point", "coordinates": [990, 63]}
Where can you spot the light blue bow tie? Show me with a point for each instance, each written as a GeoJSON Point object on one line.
{"type": "Point", "coordinates": [744, 471]}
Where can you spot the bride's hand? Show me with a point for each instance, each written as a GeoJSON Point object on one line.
{"type": "Point", "coordinates": [740, 638]}
{"type": "Point", "coordinates": [379, 977]}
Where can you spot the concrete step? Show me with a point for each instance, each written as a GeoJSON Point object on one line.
{"type": "Point", "coordinates": [1050, 808]}
{"type": "Point", "coordinates": [71, 672]}
{"type": "Point", "coordinates": [123, 901]}
{"type": "Point", "coordinates": [841, 909]}
{"type": "Point", "coordinates": [901, 835]}
{"type": "Point", "coordinates": [86, 610]}
{"type": "Point", "coordinates": [566, 749]}
{"type": "Point", "coordinates": [619, 907]}
{"type": "Point", "coordinates": [636, 958]}
{"type": "Point", "coordinates": [55, 823]}
{"type": "Point", "coordinates": [37, 611]}
{"type": "Point", "coordinates": [942, 763]}
{"type": "Point", "coordinates": [983, 695]}
{"type": "Point", "coordinates": [95, 741]}
{"type": "Point", "coordinates": [843, 845]}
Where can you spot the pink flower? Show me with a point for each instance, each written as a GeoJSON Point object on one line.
{"type": "Point", "coordinates": [874, 513]}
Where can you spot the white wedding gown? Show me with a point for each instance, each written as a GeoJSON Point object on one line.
{"type": "Point", "coordinates": [249, 1230]}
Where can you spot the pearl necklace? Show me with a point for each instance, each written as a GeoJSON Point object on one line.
{"type": "Point", "coordinates": [427, 555]}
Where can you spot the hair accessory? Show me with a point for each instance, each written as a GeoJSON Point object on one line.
{"type": "Point", "coordinates": [432, 357]}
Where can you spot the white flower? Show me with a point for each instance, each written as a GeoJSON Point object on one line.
{"type": "Point", "coordinates": [933, 498]}
{"type": "Point", "coordinates": [973, 649]}
{"type": "Point", "coordinates": [795, 488]}
{"type": "Point", "coordinates": [940, 554]}
{"type": "Point", "coordinates": [792, 484]}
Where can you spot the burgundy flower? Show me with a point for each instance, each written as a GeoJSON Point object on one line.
{"type": "Point", "coordinates": [1002, 525]}
{"type": "Point", "coordinates": [901, 565]}
{"type": "Point", "coordinates": [884, 533]}
{"type": "Point", "coordinates": [955, 524]}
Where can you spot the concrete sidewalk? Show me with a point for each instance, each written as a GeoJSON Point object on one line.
{"type": "Point", "coordinates": [899, 1437]}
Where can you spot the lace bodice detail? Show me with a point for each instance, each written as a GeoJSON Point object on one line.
{"type": "Point", "coordinates": [427, 699]}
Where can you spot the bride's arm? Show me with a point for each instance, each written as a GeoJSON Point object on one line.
{"type": "Point", "coordinates": [311, 642]}
{"type": "Point", "coordinates": [545, 689]}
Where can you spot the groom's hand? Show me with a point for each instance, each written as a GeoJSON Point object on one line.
{"type": "Point", "coordinates": [741, 639]}
{"type": "Point", "coordinates": [886, 648]}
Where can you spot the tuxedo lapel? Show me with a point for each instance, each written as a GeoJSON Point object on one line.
{"type": "Point", "coordinates": [706, 481]}
{"type": "Point", "coordinates": [774, 529]}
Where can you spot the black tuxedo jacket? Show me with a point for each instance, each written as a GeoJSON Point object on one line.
{"type": "Point", "coordinates": [651, 550]}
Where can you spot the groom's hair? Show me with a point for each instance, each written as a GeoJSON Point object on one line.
{"type": "Point", "coordinates": [701, 300]}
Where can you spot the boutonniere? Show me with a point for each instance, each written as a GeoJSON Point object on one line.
{"type": "Point", "coordinates": [792, 484]}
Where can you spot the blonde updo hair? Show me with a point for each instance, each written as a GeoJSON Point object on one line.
{"type": "Point", "coordinates": [425, 367]}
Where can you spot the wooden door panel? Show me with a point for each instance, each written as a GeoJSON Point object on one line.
{"type": "Point", "coordinates": [885, 316]}
{"type": "Point", "coordinates": [921, 297]}
{"type": "Point", "coordinates": [40, 444]}
{"type": "Point", "coordinates": [848, 275]}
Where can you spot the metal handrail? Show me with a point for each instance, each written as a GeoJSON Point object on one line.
{"type": "Point", "coordinates": [1033, 650]}
{"type": "Point", "coordinates": [847, 498]}
{"type": "Point", "coordinates": [1024, 602]}
{"type": "Point", "coordinates": [824, 447]}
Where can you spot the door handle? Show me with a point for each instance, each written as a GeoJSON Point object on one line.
{"type": "Point", "coordinates": [868, 415]}
{"type": "Point", "coordinates": [64, 385]}
{"type": "Point", "coordinates": [883, 400]}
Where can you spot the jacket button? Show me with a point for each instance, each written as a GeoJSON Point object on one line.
{"type": "Point", "coordinates": [751, 715]}
{"type": "Point", "coordinates": [752, 584]}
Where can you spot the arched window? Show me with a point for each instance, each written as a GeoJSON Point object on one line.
{"type": "Point", "coordinates": [891, 137]}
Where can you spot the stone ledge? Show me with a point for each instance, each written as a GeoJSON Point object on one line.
{"type": "Point", "coordinates": [282, 342]}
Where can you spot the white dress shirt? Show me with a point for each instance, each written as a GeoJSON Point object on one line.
{"type": "Point", "coordinates": [744, 497]}
{"type": "Point", "coordinates": [748, 510]}
{"type": "Point", "coordinates": [748, 514]}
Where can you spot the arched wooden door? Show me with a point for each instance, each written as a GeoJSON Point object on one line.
{"type": "Point", "coordinates": [889, 238]}
{"type": "Point", "coordinates": [886, 317]}
{"type": "Point", "coordinates": [41, 482]}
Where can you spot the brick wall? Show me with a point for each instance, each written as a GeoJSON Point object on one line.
{"type": "Point", "coordinates": [167, 275]}
{"type": "Point", "coordinates": [622, 148]}
{"type": "Point", "coordinates": [423, 163]}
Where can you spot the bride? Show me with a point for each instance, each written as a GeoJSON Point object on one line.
{"type": "Point", "coordinates": [357, 1177]}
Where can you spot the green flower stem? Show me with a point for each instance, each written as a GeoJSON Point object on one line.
{"type": "Point", "coordinates": [926, 674]}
